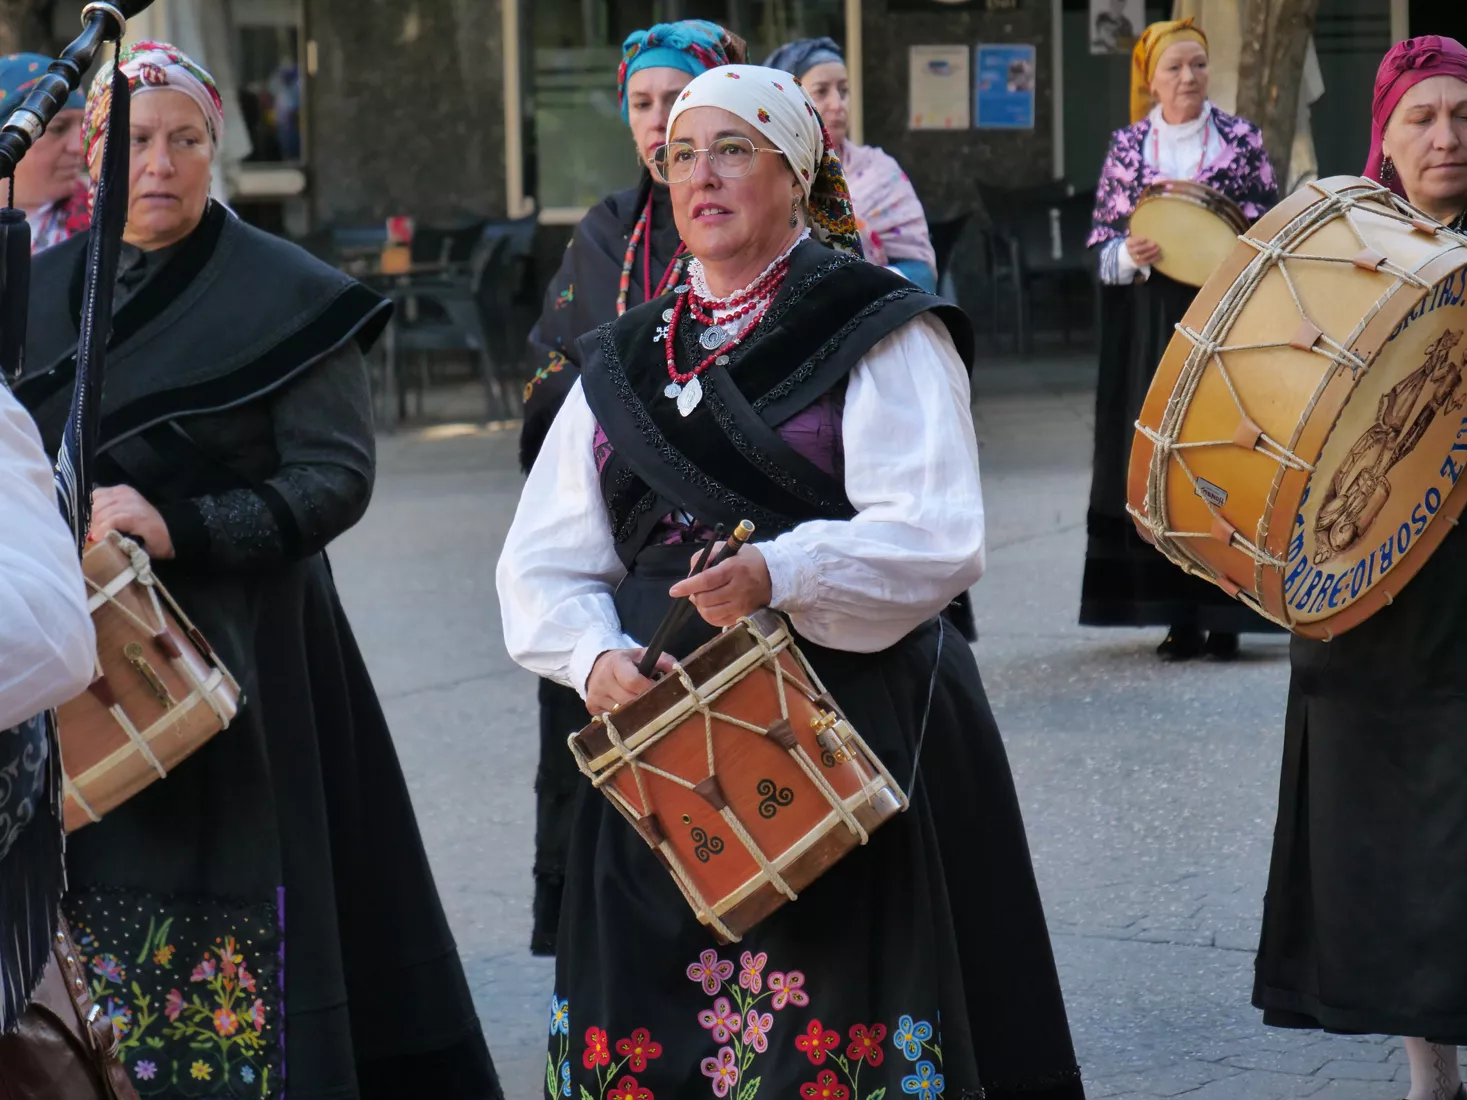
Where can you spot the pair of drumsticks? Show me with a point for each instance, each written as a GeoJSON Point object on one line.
{"type": "Point", "coordinates": [682, 608]}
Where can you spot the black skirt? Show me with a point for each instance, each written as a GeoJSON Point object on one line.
{"type": "Point", "coordinates": [1367, 893]}
{"type": "Point", "coordinates": [1127, 581]}
{"type": "Point", "coordinates": [920, 963]}
{"type": "Point", "coordinates": [557, 780]}
{"type": "Point", "coordinates": [264, 920]}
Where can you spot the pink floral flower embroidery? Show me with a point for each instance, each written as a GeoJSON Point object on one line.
{"type": "Point", "coordinates": [787, 989]}
{"type": "Point", "coordinates": [711, 971]}
{"type": "Point", "coordinates": [173, 1005]}
{"type": "Point", "coordinates": [205, 971]}
{"type": "Point", "coordinates": [751, 974]}
{"type": "Point", "coordinates": [109, 969]}
{"type": "Point", "coordinates": [723, 1071]}
{"type": "Point", "coordinates": [756, 1030]}
{"type": "Point", "coordinates": [257, 1014]}
{"type": "Point", "coordinates": [246, 979]}
{"type": "Point", "coordinates": [722, 1020]}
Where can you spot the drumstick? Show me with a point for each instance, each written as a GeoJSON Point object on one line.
{"type": "Point", "coordinates": [683, 609]}
{"type": "Point", "coordinates": [673, 618]}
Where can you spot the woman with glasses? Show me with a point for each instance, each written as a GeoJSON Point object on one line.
{"type": "Point", "coordinates": [788, 382]}
{"type": "Point", "coordinates": [888, 212]}
{"type": "Point", "coordinates": [625, 251]}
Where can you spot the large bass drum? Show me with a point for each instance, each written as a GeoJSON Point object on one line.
{"type": "Point", "coordinates": [1302, 442]}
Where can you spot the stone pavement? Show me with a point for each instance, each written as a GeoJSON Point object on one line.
{"type": "Point", "coordinates": [1148, 790]}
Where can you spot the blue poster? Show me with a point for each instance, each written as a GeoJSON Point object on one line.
{"type": "Point", "coordinates": [1004, 99]}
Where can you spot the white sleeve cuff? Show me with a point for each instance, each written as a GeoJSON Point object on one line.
{"type": "Point", "coordinates": [592, 644]}
{"type": "Point", "coordinates": [793, 575]}
{"type": "Point", "coordinates": [1126, 266]}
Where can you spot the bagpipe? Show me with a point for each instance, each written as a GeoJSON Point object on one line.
{"type": "Point", "coordinates": [31, 838]}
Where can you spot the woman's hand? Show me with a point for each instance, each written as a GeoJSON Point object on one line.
{"type": "Point", "coordinates": [122, 508]}
{"type": "Point", "coordinates": [1144, 251]}
{"type": "Point", "coordinates": [614, 679]}
{"type": "Point", "coordinates": [726, 593]}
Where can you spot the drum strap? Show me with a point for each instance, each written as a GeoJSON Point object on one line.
{"type": "Point", "coordinates": [927, 710]}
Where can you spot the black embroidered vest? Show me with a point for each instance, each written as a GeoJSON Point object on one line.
{"type": "Point", "coordinates": [725, 461]}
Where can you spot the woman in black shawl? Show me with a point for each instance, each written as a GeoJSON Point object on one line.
{"type": "Point", "coordinates": [625, 251]}
{"type": "Point", "coordinates": [265, 916]}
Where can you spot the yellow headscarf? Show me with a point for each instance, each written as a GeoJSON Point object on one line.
{"type": "Point", "coordinates": [1144, 58]}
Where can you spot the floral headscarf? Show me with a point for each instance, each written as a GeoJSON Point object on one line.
{"type": "Point", "coordinates": [773, 102]}
{"type": "Point", "coordinates": [692, 46]}
{"type": "Point", "coordinates": [1405, 65]}
{"type": "Point", "coordinates": [152, 66]}
{"type": "Point", "coordinates": [1146, 56]}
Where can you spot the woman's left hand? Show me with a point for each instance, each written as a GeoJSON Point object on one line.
{"type": "Point", "coordinates": [122, 508]}
{"type": "Point", "coordinates": [726, 593]}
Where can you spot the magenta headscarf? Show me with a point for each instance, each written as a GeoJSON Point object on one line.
{"type": "Point", "coordinates": [1407, 64]}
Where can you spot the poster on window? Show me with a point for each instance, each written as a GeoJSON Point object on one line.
{"type": "Point", "coordinates": [938, 83]}
{"type": "Point", "coordinates": [1114, 25]}
{"type": "Point", "coordinates": [1004, 97]}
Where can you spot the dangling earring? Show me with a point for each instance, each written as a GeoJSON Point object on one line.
{"type": "Point", "coordinates": [1387, 170]}
{"type": "Point", "coordinates": [795, 215]}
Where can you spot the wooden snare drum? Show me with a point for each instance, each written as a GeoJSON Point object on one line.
{"type": "Point", "coordinates": [1302, 441]}
{"type": "Point", "coordinates": [741, 773]}
{"type": "Point", "coordinates": [159, 693]}
{"type": "Point", "coordinates": [1196, 227]}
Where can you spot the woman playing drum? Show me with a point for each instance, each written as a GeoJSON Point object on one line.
{"type": "Point", "coordinates": [1367, 895]}
{"type": "Point", "coordinates": [1175, 134]}
{"type": "Point", "coordinates": [269, 902]}
{"type": "Point", "coordinates": [827, 400]}
{"type": "Point", "coordinates": [624, 252]}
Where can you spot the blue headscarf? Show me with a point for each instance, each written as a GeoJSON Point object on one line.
{"type": "Point", "coordinates": [692, 45]}
{"type": "Point", "coordinates": [803, 54]}
{"type": "Point", "coordinates": [18, 75]}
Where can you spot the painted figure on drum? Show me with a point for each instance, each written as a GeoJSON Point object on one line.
{"type": "Point", "coordinates": [269, 901]}
{"type": "Point", "coordinates": [1360, 488]}
{"type": "Point", "coordinates": [625, 251]}
{"type": "Point", "coordinates": [825, 399]}
{"type": "Point", "coordinates": [1176, 134]}
{"type": "Point", "coordinates": [1367, 889]}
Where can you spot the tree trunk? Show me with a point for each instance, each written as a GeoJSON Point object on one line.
{"type": "Point", "coordinates": [25, 27]}
{"type": "Point", "coordinates": [1270, 67]}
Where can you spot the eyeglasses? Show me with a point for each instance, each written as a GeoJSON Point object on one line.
{"type": "Point", "coordinates": [729, 157]}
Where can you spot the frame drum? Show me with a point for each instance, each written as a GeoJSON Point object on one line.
{"type": "Point", "coordinates": [1302, 441]}
{"type": "Point", "coordinates": [1196, 227]}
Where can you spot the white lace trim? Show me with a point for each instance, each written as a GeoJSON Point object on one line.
{"type": "Point", "coordinates": [699, 280]}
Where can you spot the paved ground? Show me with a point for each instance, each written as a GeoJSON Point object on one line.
{"type": "Point", "coordinates": [1148, 790]}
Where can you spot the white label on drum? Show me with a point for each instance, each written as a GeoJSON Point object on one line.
{"type": "Point", "coordinates": [1390, 463]}
{"type": "Point", "coordinates": [1215, 495]}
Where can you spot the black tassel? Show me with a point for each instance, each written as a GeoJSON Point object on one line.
{"type": "Point", "coordinates": [15, 289]}
{"type": "Point", "coordinates": [35, 877]}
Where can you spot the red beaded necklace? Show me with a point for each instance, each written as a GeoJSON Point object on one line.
{"type": "Point", "coordinates": [641, 235]}
{"type": "Point", "coordinates": [753, 302]}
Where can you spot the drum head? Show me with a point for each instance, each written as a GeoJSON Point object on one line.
{"type": "Point", "coordinates": [1385, 473]}
{"type": "Point", "coordinates": [1194, 238]}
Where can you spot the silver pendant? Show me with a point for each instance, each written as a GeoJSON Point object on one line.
{"type": "Point", "coordinates": [667, 315]}
{"type": "Point", "coordinates": [682, 288]}
{"type": "Point", "coordinates": [713, 337]}
{"type": "Point", "coordinates": [721, 361]}
{"type": "Point", "coordinates": [671, 391]}
{"type": "Point", "coordinates": [661, 333]}
{"type": "Point", "coordinates": [692, 393]}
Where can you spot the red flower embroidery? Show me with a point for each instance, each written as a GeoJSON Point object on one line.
{"type": "Point", "coordinates": [816, 1041]}
{"type": "Point", "coordinates": [628, 1089]}
{"type": "Point", "coordinates": [866, 1043]}
{"type": "Point", "coordinates": [777, 85]}
{"type": "Point", "coordinates": [733, 76]}
{"type": "Point", "coordinates": [597, 1052]}
{"type": "Point", "coordinates": [825, 1087]}
{"type": "Point", "coordinates": [638, 1049]}
{"type": "Point", "coordinates": [763, 115]}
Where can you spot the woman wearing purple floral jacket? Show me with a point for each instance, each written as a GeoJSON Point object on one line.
{"type": "Point", "coordinates": [1175, 134]}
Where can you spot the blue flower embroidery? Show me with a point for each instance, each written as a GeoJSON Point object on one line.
{"type": "Point", "coordinates": [909, 1038]}
{"type": "Point", "coordinates": [247, 1074]}
{"type": "Point", "coordinates": [926, 1082]}
{"type": "Point", "coordinates": [565, 1088]}
{"type": "Point", "coordinates": [559, 1016]}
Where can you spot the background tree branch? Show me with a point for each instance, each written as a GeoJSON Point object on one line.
{"type": "Point", "coordinates": [1270, 66]}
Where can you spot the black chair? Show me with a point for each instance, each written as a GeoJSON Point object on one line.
{"type": "Point", "coordinates": [1036, 241]}
{"type": "Point", "coordinates": [508, 300]}
{"type": "Point", "coordinates": [945, 236]}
